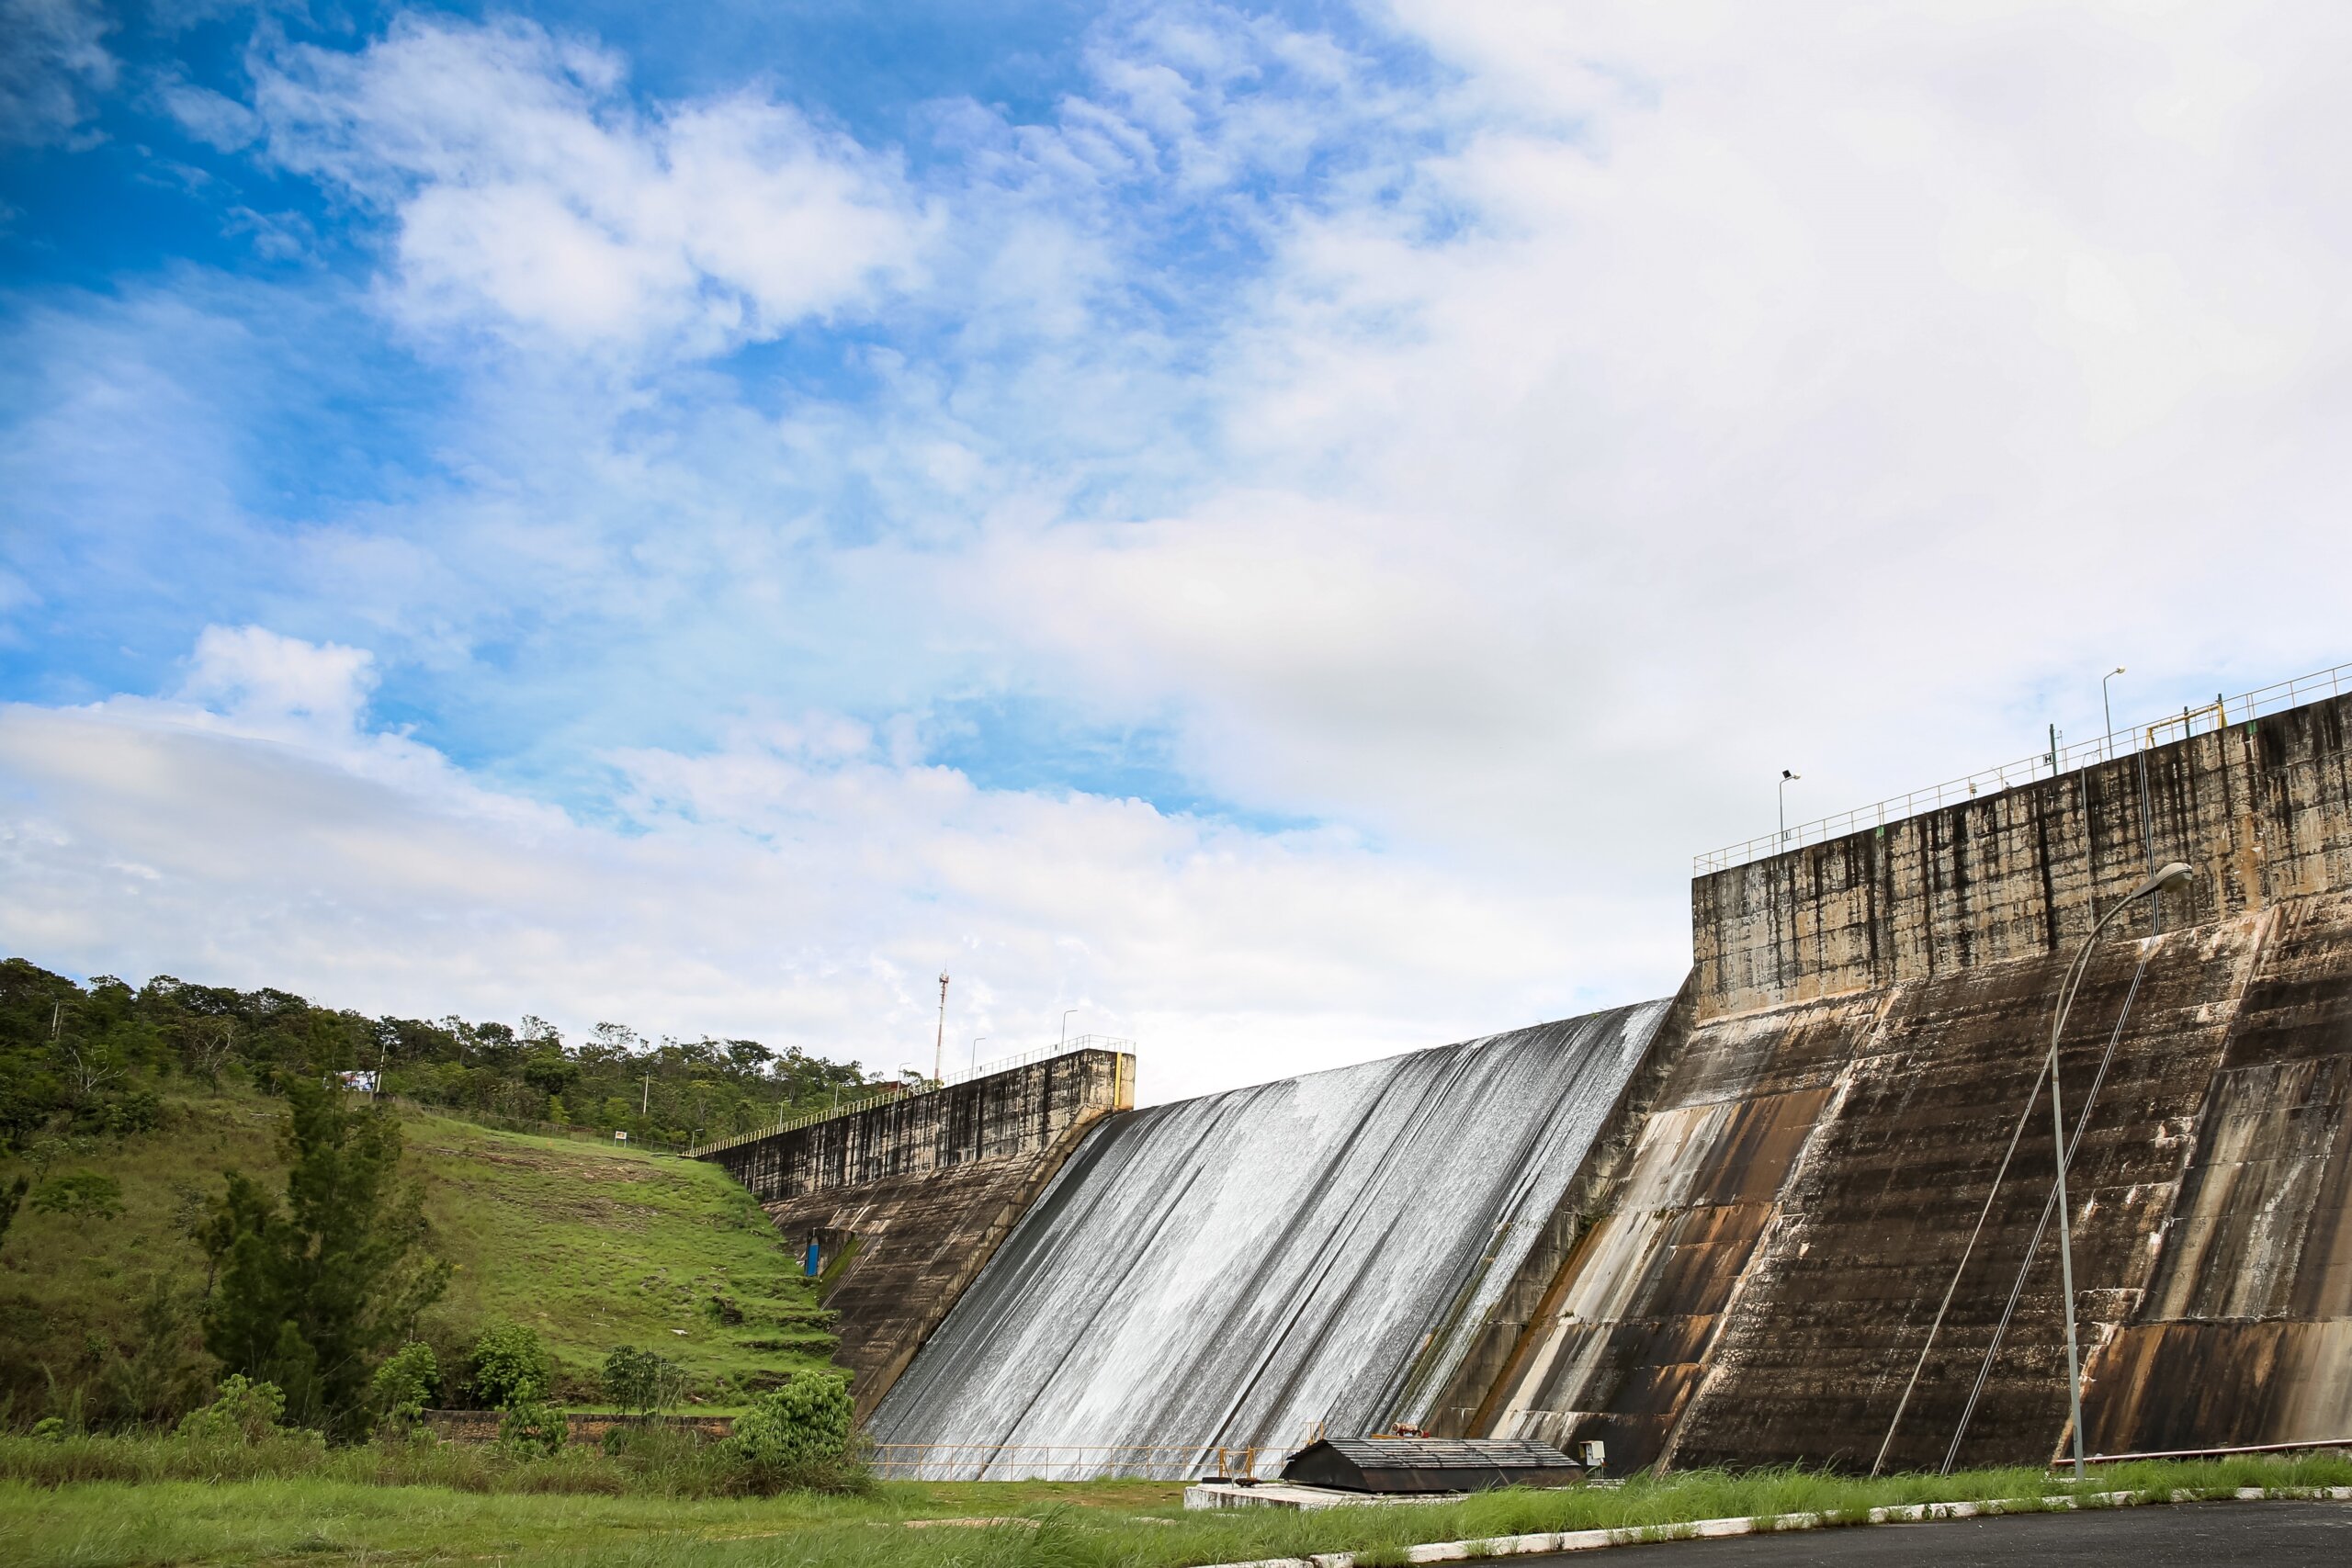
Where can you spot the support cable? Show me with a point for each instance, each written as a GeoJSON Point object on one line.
{"type": "Point", "coordinates": [2049, 1205]}
{"type": "Point", "coordinates": [2033, 1098]}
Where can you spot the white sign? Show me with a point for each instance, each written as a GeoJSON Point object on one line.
{"type": "Point", "coordinates": [620, 1137]}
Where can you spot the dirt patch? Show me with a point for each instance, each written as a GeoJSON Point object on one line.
{"type": "Point", "coordinates": [574, 1168]}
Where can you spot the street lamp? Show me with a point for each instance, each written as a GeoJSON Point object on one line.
{"type": "Point", "coordinates": [1065, 1044]}
{"type": "Point", "coordinates": [2108, 705]}
{"type": "Point", "coordinates": [1787, 778]}
{"type": "Point", "coordinates": [974, 1064]}
{"type": "Point", "coordinates": [2167, 878]}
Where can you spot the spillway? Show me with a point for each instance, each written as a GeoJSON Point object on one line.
{"type": "Point", "coordinates": [1235, 1270]}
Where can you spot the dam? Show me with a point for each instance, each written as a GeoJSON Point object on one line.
{"type": "Point", "coordinates": [1785, 1216]}
{"type": "Point", "coordinates": [1241, 1269]}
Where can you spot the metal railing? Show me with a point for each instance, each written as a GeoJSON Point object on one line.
{"type": "Point", "coordinates": [883, 1094]}
{"type": "Point", "coordinates": [2047, 763]}
{"type": "Point", "coordinates": [996, 1064]}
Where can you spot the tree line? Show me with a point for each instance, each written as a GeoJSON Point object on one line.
{"type": "Point", "coordinates": [91, 1059]}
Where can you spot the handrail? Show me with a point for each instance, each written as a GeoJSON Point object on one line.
{"type": "Point", "coordinates": [2047, 763]}
{"type": "Point", "coordinates": [891, 1093]}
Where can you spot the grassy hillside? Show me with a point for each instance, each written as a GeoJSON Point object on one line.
{"type": "Point", "coordinates": [593, 1245]}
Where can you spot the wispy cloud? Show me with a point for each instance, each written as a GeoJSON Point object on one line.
{"type": "Point", "coordinates": [53, 60]}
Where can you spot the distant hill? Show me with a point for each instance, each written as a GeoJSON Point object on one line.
{"type": "Point", "coordinates": [593, 1245]}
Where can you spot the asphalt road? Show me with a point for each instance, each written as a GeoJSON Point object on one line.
{"type": "Point", "coordinates": [2181, 1535]}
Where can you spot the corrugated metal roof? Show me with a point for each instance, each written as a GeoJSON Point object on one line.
{"type": "Point", "coordinates": [1448, 1453]}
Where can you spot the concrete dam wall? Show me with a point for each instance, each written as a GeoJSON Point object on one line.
{"type": "Point", "coordinates": [1764, 1259]}
{"type": "Point", "coordinates": [907, 1199]}
{"type": "Point", "coordinates": [1239, 1269]}
{"type": "Point", "coordinates": [1718, 1230]}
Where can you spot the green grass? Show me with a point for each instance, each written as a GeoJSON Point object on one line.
{"type": "Point", "coordinates": [598, 1246]}
{"type": "Point", "coordinates": [593, 1245]}
{"type": "Point", "coordinates": [331, 1517]}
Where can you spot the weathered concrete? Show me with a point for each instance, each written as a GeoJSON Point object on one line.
{"type": "Point", "coordinates": [1228, 1271]}
{"type": "Point", "coordinates": [2262, 810]}
{"type": "Point", "coordinates": [1756, 1252]}
{"type": "Point", "coordinates": [1622, 1331]}
{"type": "Point", "coordinates": [1009, 1115]}
{"type": "Point", "coordinates": [2244, 1334]}
{"type": "Point", "coordinates": [907, 1199]}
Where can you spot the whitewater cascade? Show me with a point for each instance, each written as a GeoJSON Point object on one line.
{"type": "Point", "coordinates": [1235, 1270]}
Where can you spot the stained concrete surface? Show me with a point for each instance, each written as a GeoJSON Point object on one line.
{"type": "Point", "coordinates": [1233, 1269]}
{"type": "Point", "coordinates": [2262, 811]}
{"type": "Point", "coordinates": [907, 1199]}
{"type": "Point", "coordinates": [2185, 1535]}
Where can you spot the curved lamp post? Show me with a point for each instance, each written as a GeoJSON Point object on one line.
{"type": "Point", "coordinates": [2166, 877]}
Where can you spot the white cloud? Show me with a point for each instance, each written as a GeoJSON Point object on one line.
{"type": "Point", "coordinates": [793, 884]}
{"type": "Point", "coordinates": [533, 198]}
{"type": "Point", "coordinates": [1516, 463]}
{"type": "Point", "coordinates": [258, 675]}
{"type": "Point", "coordinates": [53, 55]}
{"type": "Point", "coordinates": [1842, 389]}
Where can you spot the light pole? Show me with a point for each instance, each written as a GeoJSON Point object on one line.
{"type": "Point", "coordinates": [2106, 702]}
{"type": "Point", "coordinates": [2167, 878]}
{"type": "Point", "coordinates": [1787, 778]}
{"type": "Point", "coordinates": [1065, 1044]}
{"type": "Point", "coordinates": [974, 1064]}
{"type": "Point", "coordinates": [939, 1041]}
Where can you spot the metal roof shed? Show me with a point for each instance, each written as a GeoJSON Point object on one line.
{"type": "Point", "coordinates": [1431, 1464]}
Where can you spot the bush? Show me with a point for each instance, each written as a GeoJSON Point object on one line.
{"type": "Point", "coordinates": [511, 1366]}
{"type": "Point", "coordinates": [84, 1194]}
{"type": "Point", "coordinates": [532, 1429]}
{"type": "Point", "coordinates": [244, 1412]}
{"type": "Point", "coordinates": [644, 1382]}
{"type": "Point", "coordinates": [404, 1385]}
{"type": "Point", "coordinates": [798, 1436]}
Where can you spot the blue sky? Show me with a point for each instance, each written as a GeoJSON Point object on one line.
{"type": "Point", "coordinates": [1282, 526]}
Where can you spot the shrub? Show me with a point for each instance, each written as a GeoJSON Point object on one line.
{"type": "Point", "coordinates": [511, 1366]}
{"type": "Point", "coordinates": [404, 1385]}
{"type": "Point", "coordinates": [246, 1412]}
{"type": "Point", "coordinates": [797, 1436]}
{"type": "Point", "coordinates": [533, 1427]}
{"type": "Point", "coordinates": [644, 1382]}
{"type": "Point", "coordinates": [85, 1194]}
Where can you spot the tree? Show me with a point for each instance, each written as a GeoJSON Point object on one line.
{"type": "Point", "coordinates": [644, 1382]}
{"type": "Point", "coordinates": [512, 1367]}
{"type": "Point", "coordinates": [405, 1383]}
{"type": "Point", "coordinates": [314, 1289]}
{"type": "Point", "coordinates": [163, 1372]}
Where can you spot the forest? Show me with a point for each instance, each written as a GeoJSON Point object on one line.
{"type": "Point", "coordinates": [94, 1060]}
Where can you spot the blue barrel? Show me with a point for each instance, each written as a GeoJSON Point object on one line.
{"type": "Point", "coordinates": [810, 1270]}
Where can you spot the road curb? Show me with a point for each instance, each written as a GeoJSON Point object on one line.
{"type": "Point", "coordinates": [1702, 1529]}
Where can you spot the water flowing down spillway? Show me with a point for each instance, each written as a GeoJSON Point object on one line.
{"type": "Point", "coordinates": [1234, 1270]}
